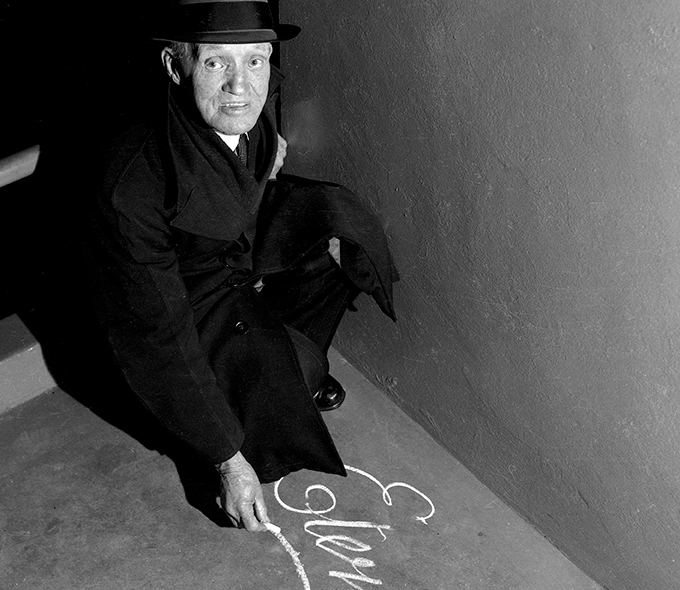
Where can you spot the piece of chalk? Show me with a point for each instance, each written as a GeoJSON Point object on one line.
{"type": "Point", "coordinates": [272, 527]}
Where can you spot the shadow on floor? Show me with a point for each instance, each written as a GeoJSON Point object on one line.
{"type": "Point", "coordinates": [47, 288]}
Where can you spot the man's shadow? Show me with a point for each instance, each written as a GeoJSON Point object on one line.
{"type": "Point", "coordinates": [60, 316]}
{"type": "Point", "coordinates": [92, 99]}
{"type": "Point", "coordinates": [46, 283]}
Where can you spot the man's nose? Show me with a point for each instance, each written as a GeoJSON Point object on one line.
{"type": "Point", "coordinates": [235, 82]}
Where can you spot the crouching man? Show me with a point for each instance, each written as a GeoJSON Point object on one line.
{"type": "Point", "coordinates": [214, 281]}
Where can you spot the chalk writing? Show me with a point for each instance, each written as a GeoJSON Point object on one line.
{"type": "Point", "coordinates": [386, 494]}
{"type": "Point", "coordinates": [334, 543]}
{"type": "Point", "coordinates": [350, 544]}
{"type": "Point", "coordinates": [295, 556]}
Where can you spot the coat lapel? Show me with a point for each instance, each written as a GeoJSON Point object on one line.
{"type": "Point", "coordinates": [217, 197]}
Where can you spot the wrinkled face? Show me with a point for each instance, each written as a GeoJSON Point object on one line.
{"type": "Point", "coordinates": [230, 84]}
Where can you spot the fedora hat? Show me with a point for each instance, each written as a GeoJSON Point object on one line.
{"type": "Point", "coordinates": [222, 21]}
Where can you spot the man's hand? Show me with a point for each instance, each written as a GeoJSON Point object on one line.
{"type": "Point", "coordinates": [241, 494]}
{"type": "Point", "coordinates": [280, 157]}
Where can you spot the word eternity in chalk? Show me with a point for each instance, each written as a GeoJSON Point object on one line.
{"type": "Point", "coordinates": [338, 545]}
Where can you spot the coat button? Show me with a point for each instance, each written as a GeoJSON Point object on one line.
{"type": "Point", "coordinates": [241, 327]}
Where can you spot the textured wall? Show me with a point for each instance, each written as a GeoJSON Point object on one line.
{"type": "Point", "coordinates": [524, 156]}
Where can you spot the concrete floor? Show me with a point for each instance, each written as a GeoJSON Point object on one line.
{"type": "Point", "coordinates": [85, 506]}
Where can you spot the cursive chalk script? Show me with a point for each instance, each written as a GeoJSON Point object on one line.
{"type": "Point", "coordinates": [335, 544]}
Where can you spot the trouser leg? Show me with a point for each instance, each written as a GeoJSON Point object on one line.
{"type": "Point", "coordinates": [311, 298]}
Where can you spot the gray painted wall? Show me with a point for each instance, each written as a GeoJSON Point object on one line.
{"type": "Point", "coordinates": [524, 155]}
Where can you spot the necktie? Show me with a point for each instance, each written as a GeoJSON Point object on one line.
{"type": "Point", "coordinates": [242, 149]}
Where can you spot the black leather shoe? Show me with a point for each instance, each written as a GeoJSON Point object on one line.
{"type": "Point", "coordinates": [330, 395]}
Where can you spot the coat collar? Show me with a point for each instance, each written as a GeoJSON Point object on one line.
{"type": "Point", "coordinates": [213, 194]}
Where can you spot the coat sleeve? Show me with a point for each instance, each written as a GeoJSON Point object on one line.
{"type": "Point", "coordinates": [149, 321]}
{"type": "Point", "coordinates": [298, 213]}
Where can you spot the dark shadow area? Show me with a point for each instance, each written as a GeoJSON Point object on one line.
{"type": "Point", "coordinates": [76, 76]}
{"type": "Point", "coordinates": [201, 487]}
{"type": "Point", "coordinates": [47, 286]}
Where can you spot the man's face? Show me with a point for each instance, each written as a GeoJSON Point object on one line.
{"type": "Point", "coordinates": [230, 84]}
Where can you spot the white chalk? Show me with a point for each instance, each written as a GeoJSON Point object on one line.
{"type": "Point", "coordinates": [294, 555]}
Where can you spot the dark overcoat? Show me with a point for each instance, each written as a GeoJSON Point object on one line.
{"type": "Point", "coordinates": [182, 231]}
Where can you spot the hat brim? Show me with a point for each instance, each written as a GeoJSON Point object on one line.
{"type": "Point", "coordinates": [279, 33]}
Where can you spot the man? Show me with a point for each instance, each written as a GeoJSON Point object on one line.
{"type": "Point", "coordinates": [216, 288]}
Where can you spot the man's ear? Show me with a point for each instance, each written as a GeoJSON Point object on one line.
{"type": "Point", "coordinates": [172, 65]}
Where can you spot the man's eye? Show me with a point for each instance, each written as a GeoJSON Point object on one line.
{"type": "Point", "coordinates": [256, 62]}
{"type": "Point", "coordinates": [212, 64]}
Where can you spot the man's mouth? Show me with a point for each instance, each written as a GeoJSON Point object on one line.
{"type": "Point", "coordinates": [234, 106]}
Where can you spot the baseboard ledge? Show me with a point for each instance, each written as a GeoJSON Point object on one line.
{"type": "Point", "coordinates": [23, 373]}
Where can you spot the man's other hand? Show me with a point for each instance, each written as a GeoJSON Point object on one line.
{"type": "Point", "coordinates": [280, 157]}
{"type": "Point", "coordinates": [241, 494]}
